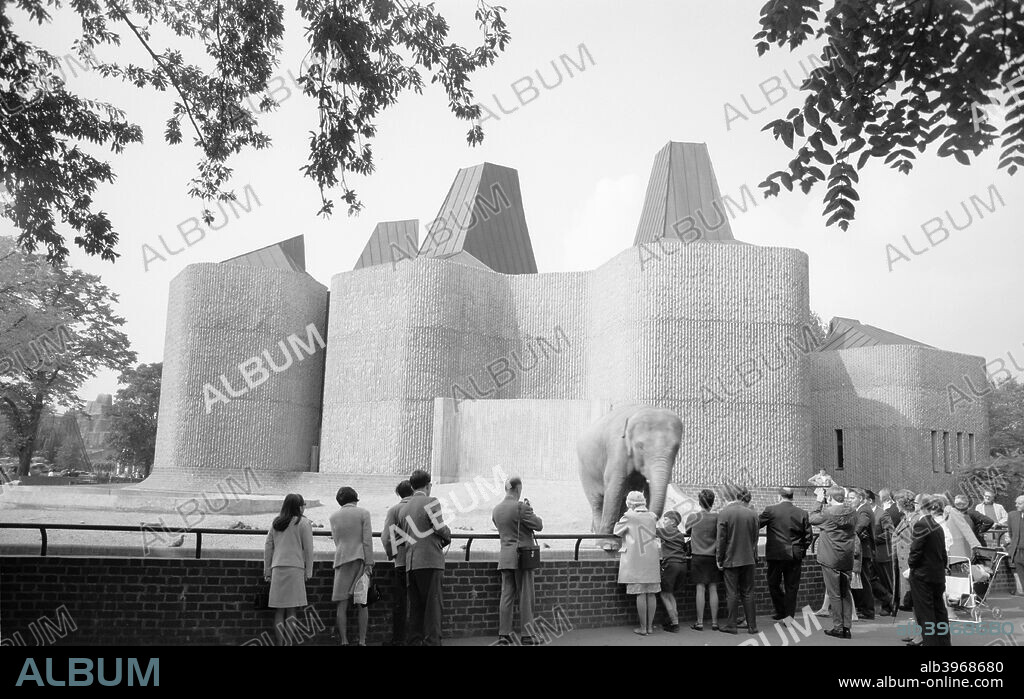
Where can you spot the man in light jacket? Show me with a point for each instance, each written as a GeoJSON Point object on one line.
{"type": "Point", "coordinates": [425, 536]}
{"type": "Point", "coordinates": [992, 509]}
{"type": "Point", "coordinates": [516, 523]}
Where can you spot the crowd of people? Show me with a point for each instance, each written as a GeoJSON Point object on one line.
{"type": "Point", "coordinates": [877, 554]}
{"type": "Point", "coordinates": [414, 538]}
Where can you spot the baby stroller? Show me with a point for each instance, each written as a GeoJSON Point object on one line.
{"type": "Point", "coordinates": [969, 581]}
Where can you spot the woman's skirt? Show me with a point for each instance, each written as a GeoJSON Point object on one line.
{"type": "Point", "coordinates": [345, 577]}
{"type": "Point", "coordinates": [704, 570]}
{"type": "Point", "coordinates": [287, 587]}
{"type": "Point", "coordinates": [642, 588]}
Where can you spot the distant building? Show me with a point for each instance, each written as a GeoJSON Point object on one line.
{"type": "Point", "coordinates": [94, 424]}
{"type": "Point", "coordinates": [77, 437]}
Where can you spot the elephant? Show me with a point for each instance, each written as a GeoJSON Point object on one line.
{"type": "Point", "coordinates": [631, 446]}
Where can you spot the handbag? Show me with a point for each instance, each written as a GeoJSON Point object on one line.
{"type": "Point", "coordinates": [372, 594]}
{"type": "Point", "coordinates": [528, 556]}
{"type": "Point", "coordinates": [261, 600]}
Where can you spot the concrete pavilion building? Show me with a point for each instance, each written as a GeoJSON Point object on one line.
{"type": "Point", "coordinates": [454, 353]}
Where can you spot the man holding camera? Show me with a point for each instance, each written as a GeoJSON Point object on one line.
{"type": "Point", "coordinates": [837, 522]}
{"type": "Point", "coordinates": [516, 523]}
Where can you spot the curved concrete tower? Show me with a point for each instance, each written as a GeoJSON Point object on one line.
{"type": "Point", "coordinates": [243, 365]}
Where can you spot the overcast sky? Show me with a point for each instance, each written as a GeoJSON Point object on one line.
{"type": "Point", "coordinates": [657, 71]}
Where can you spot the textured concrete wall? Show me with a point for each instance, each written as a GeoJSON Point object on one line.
{"type": "Point", "coordinates": [220, 316]}
{"type": "Point", "coordinates": [520, 436]}
{"type": "Point", "coordinates": [888, 400]}
{"type": "Point", "coordinates": [705, 329]}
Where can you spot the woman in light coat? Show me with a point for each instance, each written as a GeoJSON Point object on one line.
{"type": "Point", "coordinates": [640, 564]}
{"type": "Point", "coordinates": [288, 561]}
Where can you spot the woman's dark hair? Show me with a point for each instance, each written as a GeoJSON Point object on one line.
{"type": "Point", "coordinates": [346, 495]}
{"type": "Point", "coordinates": [292, 507]}
{"type": "Point", "coordinates": [706, 498]}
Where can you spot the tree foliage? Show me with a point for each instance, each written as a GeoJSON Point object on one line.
{"type": "Point", "coordinates": [903, 76]}
{"type": "Point", "coordinates": [1006, 418]}
{"type": "Point", "coordinates": [57, 329]}
{"type": "Point", "coordinates": [362, 55]}
{"type": "Point", "coordinates": [136, 405]}
{"type": "Point", "coordinates": [819, 328]}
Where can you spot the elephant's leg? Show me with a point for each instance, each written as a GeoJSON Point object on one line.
{"type": "Point", "coordinates": [614, 494]}
{"type": "Point", "coordinates": [593, 488]}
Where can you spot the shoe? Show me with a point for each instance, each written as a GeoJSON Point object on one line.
{"type": "Point", "coordinates": [725, 630]}
{"type": "Point", "coordinates": [915, 643]}
{"type": "Point", "coordinates": [741, 624]}
{"type": "Point", "coordinates": [905, 609]}
{"type": "Point", "coordinates": [714, 627]}
{"type": "Point", "coordinates": [671, 628]}
{"type": "Point", "coordinates": [778, 617]}
{"type": "Point", "coordinates": [866, 617]}
{"type": "Point", "coordinates": [752, 631]}
{"type": "Point", "coordinates": [823, 613]}
{"type": "Point", "coordinates": [834, 633]}
{"type": "Point", "coordinates": [846, 633]}
{"type": "Point", "coordinates": [697, 626]}
{"type": "Point", "coordinates": [529, 641]}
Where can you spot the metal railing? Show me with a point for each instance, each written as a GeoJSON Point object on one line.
{"type": "Point", "coordinates": [199, 531]}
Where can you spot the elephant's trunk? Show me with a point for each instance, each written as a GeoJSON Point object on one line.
{"type": "Point", "coordinates": [658, 473]}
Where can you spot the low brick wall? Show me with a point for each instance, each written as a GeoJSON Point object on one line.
{"type": "Point", "coordinates": [182, 601]}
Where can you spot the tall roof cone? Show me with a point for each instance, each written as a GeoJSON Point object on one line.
{"type": "Point", "coordinates": [682, 199]}
{"type": "Point", "coordinates": [288, 255]}
{"type": "Point", "coordinates": [483, 216]}
{"type": "Point", "coordinates": [390, 242]}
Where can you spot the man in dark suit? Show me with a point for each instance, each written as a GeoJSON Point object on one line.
{"type": "Point", "coordinates": [788, 536]}
{"type": "Point", "coordinates": [1015, 541]}
{"type": "Point", "coordinates": [890, 507]}
{"type": "Point", "coordinates": [737, 555]}
{"type": "Point", "coordinates": [837, 524]}
{"type": "Point", "coordinates": [516, 523]}
{"type": "Point", "coordinates": [425, 536]}
{"type": "Point", "coordinates": [882, 580]}
{"type": "Point", "coordinates": [865, 527]}
{"type": "Point", "coordinates": [391, 539]}
{"type": "Point", "coordinates": [928, 574]}
{"type": "Point", "coordinates": [885, 498]}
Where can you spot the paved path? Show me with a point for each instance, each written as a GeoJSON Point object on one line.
{"type": "Point", "coordinates": [883, 631]}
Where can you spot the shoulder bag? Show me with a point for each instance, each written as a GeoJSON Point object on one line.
{"type": "Point", "coordinates": [529, 556]}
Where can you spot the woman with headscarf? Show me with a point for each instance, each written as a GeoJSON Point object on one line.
{"type": "Point", "coordinates": [640, 564]}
